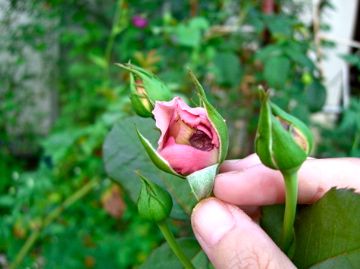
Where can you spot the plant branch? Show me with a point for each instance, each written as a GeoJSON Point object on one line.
{"type": "Point", "coordinates": [115, 30]}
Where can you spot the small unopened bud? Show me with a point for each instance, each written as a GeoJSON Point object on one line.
{"type": "Point", "coordinates": [139, 98]}
{"type": "Point", "coordinates": [154, 203]}
{"type": "Point", "coordinates": [282, 141]}
{"type": "Point", "coordinates": [154, 88]}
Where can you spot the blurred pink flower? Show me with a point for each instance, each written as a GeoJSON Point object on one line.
{"type": "Point", "coordinates": [188, 141]}
{"type": "Point", "coordinates": [139, 21]}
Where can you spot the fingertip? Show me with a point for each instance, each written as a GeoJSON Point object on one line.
{"type": "Point", "coordinates": [240, 164]}
{"type": "Point", "coordinates": [211, 219]}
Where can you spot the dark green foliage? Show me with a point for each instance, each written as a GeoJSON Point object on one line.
{"type": "Point", "coordinates": [40, 168]}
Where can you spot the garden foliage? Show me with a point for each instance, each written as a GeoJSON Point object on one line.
{"type": "Point", "coordinates": [74, 196]}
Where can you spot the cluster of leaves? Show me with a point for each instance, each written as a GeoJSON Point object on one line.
{"type": "Point", "coordinates": [231, 46]}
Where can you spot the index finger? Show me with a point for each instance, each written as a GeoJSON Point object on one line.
{"type": "Point", "coordinates": [259, 185]}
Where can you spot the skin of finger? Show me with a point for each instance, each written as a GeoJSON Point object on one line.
{"type": "Point", "coordinates": [243, 245]}
{"type": "Point", "coordinates": [259, 185]}
{"type": "Point", "coordinates": [241, 164]}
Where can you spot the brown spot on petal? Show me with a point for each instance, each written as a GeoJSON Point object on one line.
{"type": "Point", "coordinates": [201, 141]}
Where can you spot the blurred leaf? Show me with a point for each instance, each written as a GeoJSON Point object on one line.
{"type": "Point", "coordinates": [276, 71]}
{"type": "Point", "coordinates": [297, 52]}
{"type": "Point", "coordinates": [190, 34]}
{"type": "Point", "coordinates": [351, 116]}
{"type": "Point", "coordinates": [315, 96]}
{"type": "Point", "coordinates": [353, 59]}
{"type": "Point", "coordinates": [279, 25]}
{"type": "Point", "coordinates": [98, 60]}
{"type": "Point", "coordinates": [228, 69]}
{"type": "Point", "coordinates": [263, 54]}
{"type": "Point", "coordinates": [164, 258]}
{"type": "Point", "coordinates": [124, 155]}
{"type": "Point", "coordinates": [64, 138]}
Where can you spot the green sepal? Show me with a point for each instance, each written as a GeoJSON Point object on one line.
{"type": "Point", "coordinates": [296, 123]}
{"type": "Point", "coordinates": [263, 139]}
{"type": "Point", "coordinates": [286, 153]}
{"type": "Point", "coordinates": [154, 87]}
{"type": "Point", "coordinates": [215, 118]}
{"type": "Point", "coordinates": [275, 142]}
{"type": "Point", "coordinates": [155, 157]}
{"type": "Point", "coordinates": [202, 181]}
{"type": "Point", "coordinates": [154, 203]}
{"type": "Point", "coordinates": [140, 101]}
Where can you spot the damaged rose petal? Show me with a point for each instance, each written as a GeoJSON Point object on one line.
{"type": "Point", "coordinates": [188, 141]}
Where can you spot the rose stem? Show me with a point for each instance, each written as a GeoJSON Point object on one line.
{"type": "Point", "coordinates": [291, 193]}
{"type": "Point", "coordinates": [169, 237]}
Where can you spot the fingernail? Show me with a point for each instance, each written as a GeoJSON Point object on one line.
{"type": "Point", "coordinates": [211, 220]}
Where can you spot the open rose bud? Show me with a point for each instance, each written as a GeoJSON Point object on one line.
{"type": "Point", "coordinates": [193, 141]}
{"type": "Point", "coordinates": [188, 141]}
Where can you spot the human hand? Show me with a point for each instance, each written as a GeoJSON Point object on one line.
{"type": "Point", "coordinates": [228, 233]}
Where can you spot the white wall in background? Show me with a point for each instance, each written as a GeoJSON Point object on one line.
{"type": "Point", "coordinates": [342, 22]}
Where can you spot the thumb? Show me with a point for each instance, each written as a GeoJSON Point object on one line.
{"type": "Point", "coordinates": [232, 240]}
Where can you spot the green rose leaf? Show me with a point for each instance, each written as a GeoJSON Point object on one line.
{"type": "Point", "coordinates": [327, 232]}
{"type": "Point", "coordinates": [202, 181]}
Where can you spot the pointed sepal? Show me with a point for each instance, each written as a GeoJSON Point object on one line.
{"type": "Point", "coordinates": [155, 157]}
{"type": "Point", "coordinates": [215, 118]}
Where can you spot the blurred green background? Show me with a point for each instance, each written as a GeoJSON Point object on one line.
{"type": "Point", "coordinates": [60, 93]}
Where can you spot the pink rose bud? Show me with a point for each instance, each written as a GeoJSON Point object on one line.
{"type": "Point", "coordinates": [188, 141]}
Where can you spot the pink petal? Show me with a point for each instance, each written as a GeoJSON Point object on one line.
{"type": "Point", "coordinates": [186, 159]}
{"type": "Point", "coordinates": [167, 112]}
